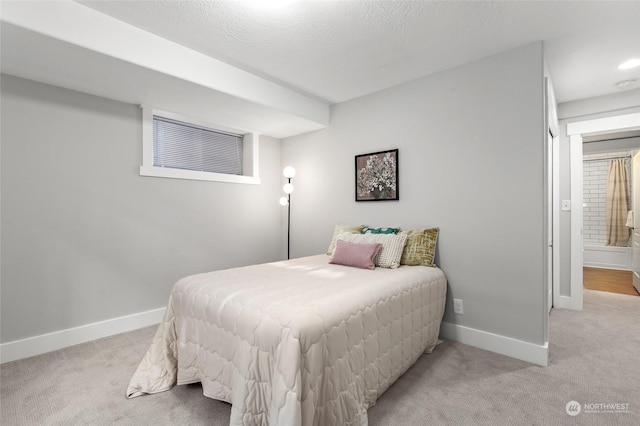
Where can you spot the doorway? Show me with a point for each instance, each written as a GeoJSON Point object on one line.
{"type": "Point", "coordinates": [576, 132]}
{"type": "Point", "coordinates": [608, 206]}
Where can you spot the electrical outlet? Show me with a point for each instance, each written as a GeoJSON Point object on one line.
{"type": "Point", "coordinates": [458, 307]}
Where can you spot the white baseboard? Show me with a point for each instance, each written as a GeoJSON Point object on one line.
{"type": "Point", "coordinates": [525, 351]}
{"type": "Point", "coordinates": [37, 345]}
{"type": "Point", "coordinates": [568, 302]}
{"type": "Point", "coordinates": [605, 265]}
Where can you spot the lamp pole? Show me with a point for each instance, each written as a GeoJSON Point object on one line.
{"type": "Point", "coordinates": [288, 172]}
{"type": "Point", "coordinates": [288, 221]}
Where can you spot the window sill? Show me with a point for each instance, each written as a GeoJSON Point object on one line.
{"type": "Point", "coordinates": [163, 172]}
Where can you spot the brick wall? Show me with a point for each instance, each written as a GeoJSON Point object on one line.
{"type": "Point", "coordinates": [595, 173]}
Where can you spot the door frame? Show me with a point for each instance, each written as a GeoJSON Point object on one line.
{"type": "Point", "coordinates": [554, 289]}
{"type": "Point", "coordinates": [576, 131]}
{"type": "Point", "coordinates": [550, 218]}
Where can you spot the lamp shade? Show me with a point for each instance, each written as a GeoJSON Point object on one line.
{"type": "Point", "coordinates": [289, 172]}
{"type": "Point", "coordinates": [284, 201]}
{"type": "Point", "coordinates": [287, 188]}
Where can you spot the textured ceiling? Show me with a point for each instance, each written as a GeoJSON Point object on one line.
{"type": "Point", "coordinates": [339, 50]}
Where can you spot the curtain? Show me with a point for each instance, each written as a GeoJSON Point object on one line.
{"type": "Point", "coordinates": [617, 204]}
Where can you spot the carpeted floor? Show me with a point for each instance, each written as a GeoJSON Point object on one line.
{"type": "Point", "coordinates": [594, 360]}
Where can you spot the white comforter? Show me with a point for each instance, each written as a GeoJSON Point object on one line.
{"type": "Point", "coordinates": [297, 342]}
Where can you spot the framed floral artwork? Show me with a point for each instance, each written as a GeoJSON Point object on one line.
{"type": "Point", "coordinates": [377, 176]}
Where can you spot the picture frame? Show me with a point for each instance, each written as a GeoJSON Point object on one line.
{"type": "Point", "coordinates": [377, 176]}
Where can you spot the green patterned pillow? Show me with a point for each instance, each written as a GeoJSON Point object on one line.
{"type": "Point", "coordinates": [368, 230]}
{"type": "Point", "coordinates": [342, 228]}
{"type": "Point", "coordinates": [420, 248]}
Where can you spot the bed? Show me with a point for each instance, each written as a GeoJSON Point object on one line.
{"type": "Point", "coordinates": [296, 342]}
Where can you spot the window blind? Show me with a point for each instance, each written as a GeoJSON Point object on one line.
{"type": "Point", "coordinates": [181, 145]}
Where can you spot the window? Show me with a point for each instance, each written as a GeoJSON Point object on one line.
{"type": "Point", "coordinates": [178, 147]}
{"type": "Point", "coordinates": [181, 145]}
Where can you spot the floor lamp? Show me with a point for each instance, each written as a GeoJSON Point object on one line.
{"type": "Point", "coordinates": [288, 172]}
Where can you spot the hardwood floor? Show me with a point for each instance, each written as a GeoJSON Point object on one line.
{"type": "Point", "coordinates": [610, 280]}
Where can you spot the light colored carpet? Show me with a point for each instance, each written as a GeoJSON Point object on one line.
{"type": "Point", "coordinates": [595, 360]}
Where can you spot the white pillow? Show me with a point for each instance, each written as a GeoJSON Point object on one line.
{"type": "Point", "coordinates": [392, 246]}
{"type": "Point", "coordinates": [342, 228]}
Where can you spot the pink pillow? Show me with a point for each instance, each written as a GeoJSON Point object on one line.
{"type": "Point", "coordinates": [355, 254]}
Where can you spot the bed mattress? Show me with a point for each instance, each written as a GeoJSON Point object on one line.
{"type": "Point", "coordinates": [298, 342]}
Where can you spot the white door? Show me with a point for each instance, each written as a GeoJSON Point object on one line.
{"type": "Point", "coordinates": [635, 239]}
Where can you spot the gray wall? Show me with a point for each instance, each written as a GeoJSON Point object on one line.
{"type": "Point", "coordinates": [612, 145]}
{"type": "Point", "coordinates": [85, 238]}
{"type": "Point", "coordinates": [470, 146]}
{"type": "Point", "coordinates": [569, 112]}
